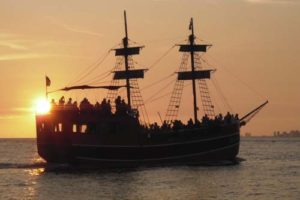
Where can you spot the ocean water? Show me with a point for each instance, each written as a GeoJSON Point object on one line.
{"type": "Point", "coordinates": [271, 170]}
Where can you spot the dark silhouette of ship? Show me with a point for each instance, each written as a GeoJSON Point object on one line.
{"type": "Point", "coordinates": [112, 134]}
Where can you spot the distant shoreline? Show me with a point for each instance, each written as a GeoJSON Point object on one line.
{"type": "Point", "coordinates": [294, 133]}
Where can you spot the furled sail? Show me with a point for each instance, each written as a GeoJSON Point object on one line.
{"type": "Point", "coordinates": [84, 87]}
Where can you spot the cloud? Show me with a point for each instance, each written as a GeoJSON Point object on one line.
{"type": "Point", "coordinates": [15, 113]}
{"type": "Point", "coordinates": [10, 40]}
{"type": "Point", "coordinates": [5, 34]}
{"type": "Point", "coordinates": [10, 116]}
{"type": "Point", "coordinates": [22, 56]}
{"type": "Point", "coordinates": [19, 56]}
{"type": "Point", "coordinates": [14, 42]}
{"type": "Point", "coordinates": [78, 30]}
{"type": "Point", "coordinates": [23, 110]}
{"type": "Point", "coordinates": [21, 43]}
{"type": "Point", "coordinates": [12, 45]}
{"type": "Point", "coordinates": [73, 28]}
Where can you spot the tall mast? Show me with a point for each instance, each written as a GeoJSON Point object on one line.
{"type": "Point", "coordinates": [129, 72]}
{"type": "Point", "coordinates": [192, 40]}
{"type": "Point", "coordinates": [194, 74]}
{"type": "Point", "coordinates": [125, 44]}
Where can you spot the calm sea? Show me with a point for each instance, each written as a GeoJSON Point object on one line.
{"type": "Point", "coordinates": [271, 171]}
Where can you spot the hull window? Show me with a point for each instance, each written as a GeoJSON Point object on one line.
{"type": "Point", "coordinates": [60, 127]}
{"type": "Point", "coordinates": [83, 128]}
{"type": "Point", "coordinates": [74, 128]}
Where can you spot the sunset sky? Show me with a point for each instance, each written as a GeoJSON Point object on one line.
{"type": "Point", "coordinates": [256, 46]}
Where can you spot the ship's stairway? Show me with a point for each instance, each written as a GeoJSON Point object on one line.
{"type": "Point", "coordinates": [207, 105]}
{"type": "Point", "coordinates": [174, 104]}
{"type": "Point", "coordinates": [112, 94]}
{"type": "Point", "coordinates": [136, 96]}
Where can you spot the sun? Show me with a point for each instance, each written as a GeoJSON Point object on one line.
{"type": "Point", "coordinates": [42, 106]}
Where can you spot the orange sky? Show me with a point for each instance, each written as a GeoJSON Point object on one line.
{"type": "Point", "coordinates": [256, 47]}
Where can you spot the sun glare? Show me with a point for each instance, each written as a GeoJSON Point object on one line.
{"type": "Point", "coordinates": [42, 106]}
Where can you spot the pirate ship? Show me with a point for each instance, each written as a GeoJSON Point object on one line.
{"type": "Point", "coordinates": [112, 134]}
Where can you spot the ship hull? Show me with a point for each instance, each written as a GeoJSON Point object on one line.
{"type": "Point", "coordinates": [225, 154]}
{"type": "Point", "coordinates": [91, 151]}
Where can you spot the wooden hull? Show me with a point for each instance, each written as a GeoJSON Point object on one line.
{"type": "Point", "coordinates": [92, 150]}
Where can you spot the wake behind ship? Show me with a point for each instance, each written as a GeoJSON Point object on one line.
{"type": "Point", "coordinates": [113, 134]}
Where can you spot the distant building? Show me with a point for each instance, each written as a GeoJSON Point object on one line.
{"type": "Point", "coordinates": [248, 134]}
{"type": "Point", "coordinates": [293, 133]}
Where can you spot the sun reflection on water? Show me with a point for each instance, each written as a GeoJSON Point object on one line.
{"type": "Point", "coordinates": [33, 175]}
{"type": "Point", "coordinates": [36, 171]}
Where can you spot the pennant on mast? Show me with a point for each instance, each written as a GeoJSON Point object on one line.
{"type": "Point", "coordinates": [191, 24]}
{"type": "Point", "coordinates": [48, 81]}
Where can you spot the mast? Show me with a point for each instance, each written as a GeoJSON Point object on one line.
{"type": "Point", "coordinates": [125, 44]}
{"type": "Point", "coordinates": [191, 40]}
{"type": "Point", "coordinates": [196, 73]}
{"type": "Point", "coordinates": [129, 73]}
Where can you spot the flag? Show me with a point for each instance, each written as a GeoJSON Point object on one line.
{"type": "Point", "coordinates": [191, 24]}
{"type": "Point", "coordinates": [48, 81]}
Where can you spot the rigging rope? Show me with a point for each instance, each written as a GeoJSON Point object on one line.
{"type": "Point", "coordinates": [160, 58]}
{"type": "Point", "coordinates": [237, 78]}
{"type": "Point", "coordinates": [161, 39]}
{"type": "Point", "coordinates": [132, 41]}
{"type": "Point", "coordinates": [201, 41]}
{"type": "Point", "coordinates": [166, 94]}
{"type": "Point", "coordinates": [99, 77]}
{"type": "Point", "coordinates": [102, 82]}
{"type": "Point", "coordinates": [72, 82]}
{"type": "Point", "coordinates": [158, 92]}
{"type": "Point", "coordinates": [219, 91]}
{"type": "Point", "coordinates": [159, 81]}
{"type": "Point", "coordinates": [251, 116]}
{"type": "Point", "coordinates": [93, 68]}
{"type": "Point", "coordinates": [205, 61]}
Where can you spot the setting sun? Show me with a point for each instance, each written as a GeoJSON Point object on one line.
{"type": "Point", "coordinates": [42, 106]}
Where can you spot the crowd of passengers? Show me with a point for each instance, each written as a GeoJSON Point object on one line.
{"type": "Point", "coordinates": [123, 109]}
{"type": "Point", "coordinates": [205, 122]}
{"type": "Point", "coordinates": [85, 106]}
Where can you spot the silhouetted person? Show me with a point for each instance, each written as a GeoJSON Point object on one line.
{"type": "Point", "coordinates": [85, 106]}
{"type": "Point", "coordinates": [69, 101]}
{"type": "Point", "coordinates": [197, 124]}
{"type": "Point", "coordinates": [106, 107]}
{"type": "Point", "coordinates": [53, 102]}
{"type": "Point", "coordinates": [69, 104]}
{"type": "Point", "coordinates": [61, 101]}
{"type": "Point", "coordinates": [154, 127]}
{"type": "Point", "coordinates": [236, 117]}
{"type": "Point", "coordinates": [190, 124]}
{"type": "Point", "coordinates": [97, 106]}
{"type": "Point", "coordinates": [219, 118]}
{"type": "Point", "coordinates": [227, 118]}
{"type": "Point", "coordinates": [53, 105]}
{"type": "Point", "coordinates": [118, 104]}
{"type": "Point", "coordinates": [103, 103]}
{"type": "Point", "coordinates": [123, 107]}
{"type": "Point", "coordinates": [205, 120]}
{"type": "Point", "coordinates": [75, 106]}
{"type": "Point", "coordinates": [165, 126]}
{"type": "Point", "coordinates": [98, 109]}
{"type": "Point", "coordinates": [177, 124]}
